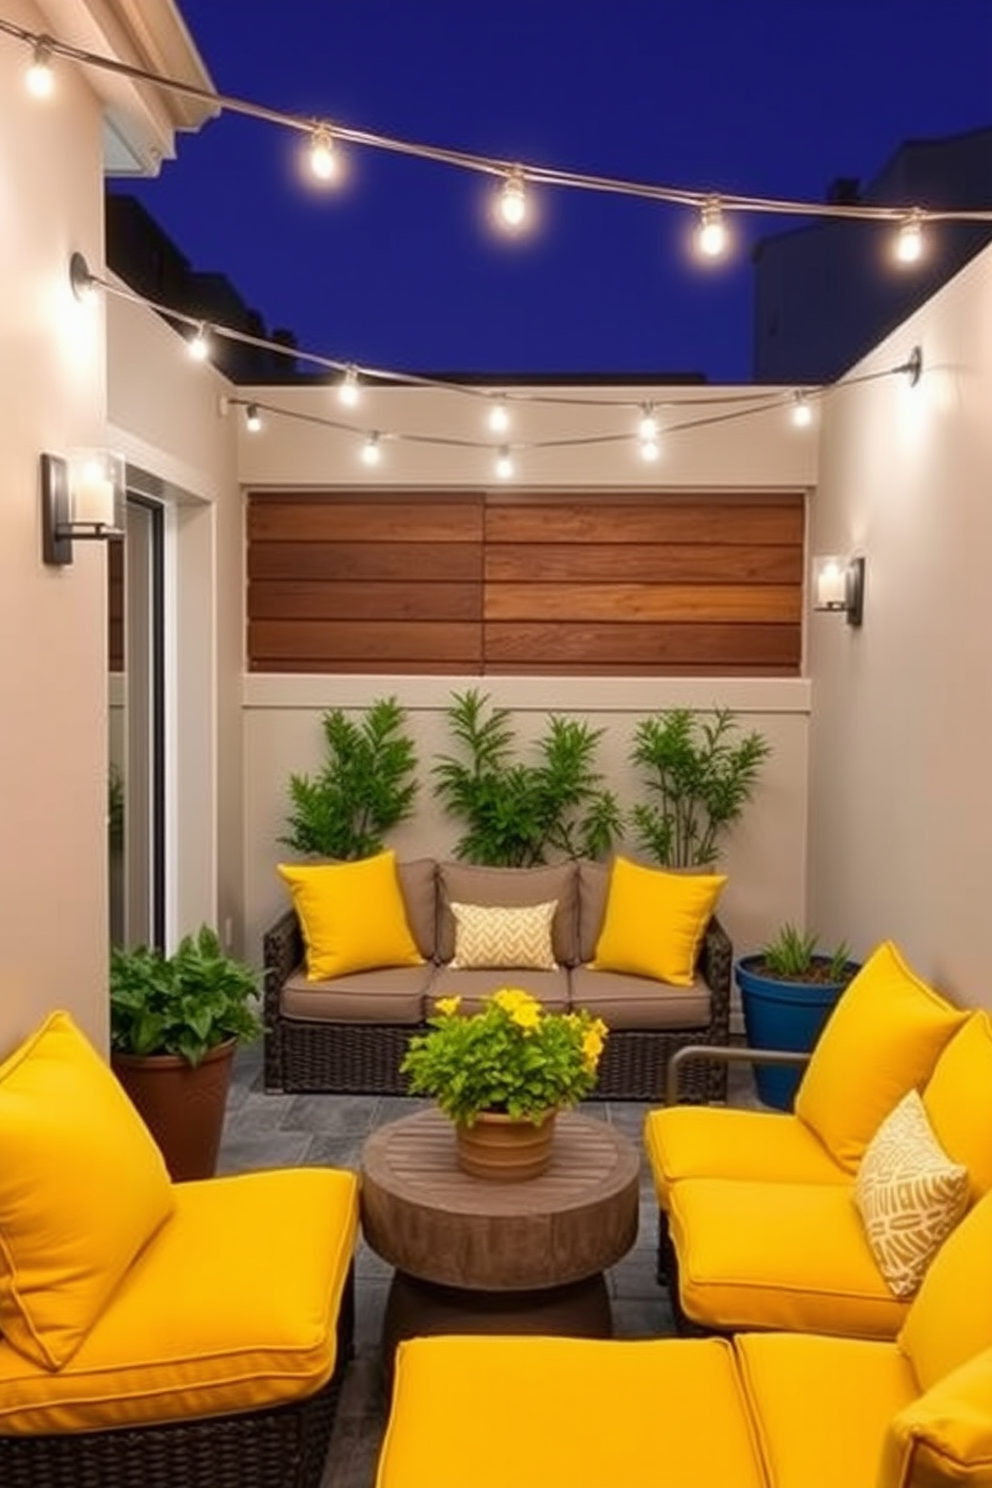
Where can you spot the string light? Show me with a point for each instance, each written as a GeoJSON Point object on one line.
{"type": "Point", "coordinates": [198, 345]}
{"type": "Point", "coordinates": [802, 413]}
{"type": "Point", "coordinates": [349, 391]}
{"type": "Point", "coordinates": [40, 78]}
{"type": "Point", "coordinates": [649, 449]}
{"type": "Point", "coordinates": [323, 156]}
{"type": "Point", "coordinates": [499, 416]}
{"type": "Point", "coordinates": [711, 235]}
{"type": "Point", "coordinates": [504, 463]}
{"type": "Point", "coordinates": [372, 450]}
{"type": "Point", "coordinates": [647, 428]}
{"type": "Point", "coordinates": [909, 240]}
{"type": "Point", "coordinates": [512, 201]}
{"type": "Point", "coordinates": [253, 419]}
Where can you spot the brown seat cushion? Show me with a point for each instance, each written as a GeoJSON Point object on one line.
{"type": "Point", "coordinates": [472, 985]}
{"type": "Point", "coordinates": [624, 1001]}
{"type": "Point", "coordinates": [392, 994]}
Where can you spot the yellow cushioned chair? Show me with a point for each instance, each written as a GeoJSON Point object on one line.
{"type": "Point", "coordinates": [190, 1333]}
{"type": "Point", "coordinates": [773, 1410]}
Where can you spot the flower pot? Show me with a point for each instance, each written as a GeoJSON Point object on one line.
{"type": "Point", "coordinates": [784, 1015]}
{"type": "Point", "coordinates": [181, 1104]}
{"type": "Point", "coordinates": [502, 1149]}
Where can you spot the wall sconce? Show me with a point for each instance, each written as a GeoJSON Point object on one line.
{"type": "Point", "coordinates": [82, 500]}
{"type": "Point", "coordinates": [839, 585]}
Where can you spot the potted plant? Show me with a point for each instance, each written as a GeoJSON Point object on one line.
{"type": "Point", "coordinates": [699, 776]}
{"type": "Point", "coordinates": [788, 990]}
{"type": "Point", "coordinates": [502, 1074]}
{"type": "Point", "coordinates": [175, 1021]}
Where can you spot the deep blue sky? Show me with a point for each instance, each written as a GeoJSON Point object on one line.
{"type": "Point", "coordinates": [400, 269]}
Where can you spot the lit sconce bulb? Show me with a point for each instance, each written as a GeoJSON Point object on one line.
{"type": "Point", "coordinates": [371, 450]}
{"type": "Point", "coordinates": [499, 416]}
{"type": "Point", "coordinates": [504, 463]}
{"type": "Point", "coordinates": [909, 243]}
{"type": "Point", "coordinates": [802, 413]}
{"type": "Point", "coordinates": [198, 345]}
{"type": "Point", "coordinates": [711, 235]}
{"type": "Point", "coordinates": [649, 449]}
{"type": "Point", "coordinates": [513, 201]}
{"type": "Point", "coordinates": [647, 428]}
{"type": "Point", "coordinates": [323, 156]}
{"type": "Point", "coordinates": [40, 78]}
{"type": "Point", "coordinates": [349, 391]}
{"type": "Point", "coordinates": [253, 419]}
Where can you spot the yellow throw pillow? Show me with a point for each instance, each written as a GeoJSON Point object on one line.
{"type": "Point", "coordinates": [83, 1188]}
{"type": "Point", "coordinates": [950, 1318]}
{"type": "Point", "coordinates": [654, 922]}
{"type": "Point", "coordinates": [958, 1099]}
{"type": "Point", "coordinates": [497, 935]}
{"type": "Point", "coordinates": [910, 1195]}
{"type": "Point", "coordinates": [352, 916]}
{"type": "Point", "coordinates": [882, 1039]}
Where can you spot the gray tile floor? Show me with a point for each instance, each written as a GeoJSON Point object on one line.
{"type": "Point", "coordinates": [285, 1130]}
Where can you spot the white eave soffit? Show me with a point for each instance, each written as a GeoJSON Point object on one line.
{"type": "Point", "coordinates": [140, 120]}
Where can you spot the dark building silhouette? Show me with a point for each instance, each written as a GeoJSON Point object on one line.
{"type": "Point", "coordinates": [825, 294]}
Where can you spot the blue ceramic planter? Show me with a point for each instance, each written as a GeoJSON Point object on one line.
{"type": "Point", "coordinates": [783, 1015]}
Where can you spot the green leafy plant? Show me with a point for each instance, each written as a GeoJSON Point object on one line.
{"type": "Point", "coordinates": [521, 814]}
{"type": "Point", "coordinates": [794, 956]}
{"type": "Point", "coordinates": [366, 787]}
{"type": "Point", "coordinates": [511, 1057]}
{"type": "Point", "coordinates": [185, 1004]}
{"type": "Point", "coordinates": [700, 773]}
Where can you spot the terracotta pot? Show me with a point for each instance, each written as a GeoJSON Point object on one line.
{"type": "Point", "coordinates": [181, 1104]}
{"type": "Point", "coordinates": [503, 1150]}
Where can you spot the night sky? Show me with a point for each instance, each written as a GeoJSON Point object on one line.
{"type": "Point", "coordinates": [399, 267]}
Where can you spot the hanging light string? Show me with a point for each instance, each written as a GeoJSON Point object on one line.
{"type": "Point", "coordinates": [514, 174]}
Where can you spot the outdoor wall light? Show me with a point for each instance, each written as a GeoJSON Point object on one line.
{"type": "Point", "coordinates": [82, 500]}
{"type": "Point", "coordinates": [839, 586]}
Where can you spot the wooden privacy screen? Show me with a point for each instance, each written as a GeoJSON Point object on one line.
{"type": "Point", "coordinates": [493, 582]}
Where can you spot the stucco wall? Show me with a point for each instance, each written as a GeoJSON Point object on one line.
{"type": "Point", "coordinates": [900, 789]}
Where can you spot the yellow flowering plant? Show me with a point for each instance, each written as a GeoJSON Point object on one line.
{"type": "Point", "coordinates": [511, 1057]}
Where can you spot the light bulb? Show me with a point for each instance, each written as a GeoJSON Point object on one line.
{"type": "Point", "coordinates": [40, 77]}
{"type": "Point", "coordinates": [371, 451]}
{"type": "Point", "coordinates": [504, 463]}
{"type": "Point", "coordinates": [198, 346]}
{"type": "Point", "coordinates": [647, 428]}
{"type": "Point", "coordinates": [513, 201]}
{"type": "Point", "coordinates": [649, 449]}
{"type": "Point", "coordinates": [909, 243]}
{"type": "Point", "coordinates": [349, 391]}
{"type": "Point", "coordinates": [323, 156]}
{"type": "Point", "coordinates": [711, 235]}
{"type": "Point", "coordinates": [499, 416]}
{"type": "Point", "coordinates": [253, 419]}
{"type": "Point", "coordinates": [802, 413]}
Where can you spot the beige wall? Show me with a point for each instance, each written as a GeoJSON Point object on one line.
{"type": "Point", "coordinates": [900, 787]}
{"type": "Point", "coordinates": [53, 673]}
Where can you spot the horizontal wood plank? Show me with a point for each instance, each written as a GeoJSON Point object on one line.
{"type": "Point", "coordinates": [777, 604]}
{"type": "Point", "coordinates": [412, 521]}
{"type": "Point", "coordinates": [660, 645]}
{"type": "Point", "coordinates": [306, 641]}
{"type": "Point", "coordinates": [334, 561]}
{"type": "Point", "coordinates": [708, 520]}
{"type": "Point", "coordinates": [284, 599]}
{"type": "Point", "coordinates": [651, 563]}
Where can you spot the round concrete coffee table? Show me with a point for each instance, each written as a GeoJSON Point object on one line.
{"type": "Point", "coordinates": [473, 1256]}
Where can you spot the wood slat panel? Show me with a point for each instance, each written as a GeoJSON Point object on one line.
{"type": "Point", "coordinates": [623, 603]}
{"type": "Point", "coordinates": [366, 561]}
{"type": "Point", "coordinates": [305, 642]}
{"type": "Point", "coordinates": [707, 520]}
{"type": "Point", "coordinates": [655, 563]}
{"type": "Point", "coordinates": [412, 521]}
{"type": "Point", "coordinates": [664, 645]}
{"type": "Point", "coordinates": [284, 599]}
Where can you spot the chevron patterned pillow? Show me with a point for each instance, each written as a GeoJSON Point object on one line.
{"type": "Point", "coordinates": [491, 935]}
{"type": "Point", "coordinates": [910, 1195]}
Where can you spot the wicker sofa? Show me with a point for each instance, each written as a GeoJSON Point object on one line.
{"type": "Point", "coordinates": [349, 1034]}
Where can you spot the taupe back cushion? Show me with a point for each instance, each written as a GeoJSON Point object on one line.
{"type": "Point", "coordinates": [594, 886]}
{"type": "Point", "coordinates": [418, 885]}
{"type": "Point", "coordinates": [469, 883]}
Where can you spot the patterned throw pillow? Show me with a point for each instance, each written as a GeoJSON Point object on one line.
{"type": "Point", "coordinates": [910, 1195]}
{"type": "Point", "coordinates": [491, 935]}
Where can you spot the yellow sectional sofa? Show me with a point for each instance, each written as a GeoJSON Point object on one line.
{"type": "Point", "coordinates": [759, 1410]}
{"type": "Point", "coordinates": [760, 1224]}
{"type": "Point", "coordinates": [187, 1333]}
